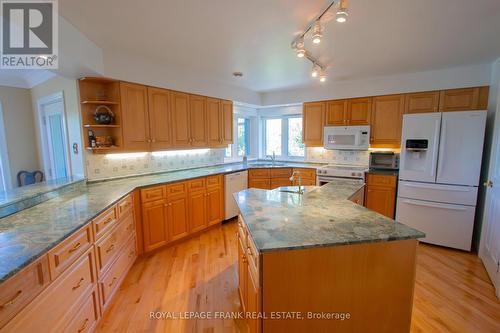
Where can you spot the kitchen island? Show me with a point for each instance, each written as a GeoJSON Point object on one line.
{"type": "Point", "coordinates": [321, 263]}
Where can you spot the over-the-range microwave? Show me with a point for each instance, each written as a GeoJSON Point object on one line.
{"type": "Point", "coordinates": [347, 137]}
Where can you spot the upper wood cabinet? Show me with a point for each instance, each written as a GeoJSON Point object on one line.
{"type": "Point", "coordinates": [214, 122]}
{"type": "Point", "coordinates": [336, 112]}
{"type": "Point", "coordinates": [160, 122]}
{"type": "Point", "coordinates": [227, 122]}
{"type": "Point", "coordinates": [386, 122]}
{"type": "Point", "coordinates": [464, 99]}
{"type": "Point", "coordinates": [313, 120]}
{"type": "Point", "coordinates": [422, 102]}
{"type": "Point", "coordinates": [359, 111]}
{"type": "Point", "coordinates": [181, 129]}
{"type": "Point", "coordinates": [198, 120]}
{"type": "Point", "coordinates": [134, 107]}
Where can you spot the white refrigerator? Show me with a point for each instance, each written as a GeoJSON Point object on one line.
{"type": "Point", "coordinates": [439, 174]}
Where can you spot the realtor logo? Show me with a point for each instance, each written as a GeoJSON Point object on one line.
{"type": "Point", "coordinates": [29, 34]}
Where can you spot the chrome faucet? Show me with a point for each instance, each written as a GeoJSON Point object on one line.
{"type": "Point", "coordinates": [296, 172]}
{"type": "Point", "coordinates": [273, 157]}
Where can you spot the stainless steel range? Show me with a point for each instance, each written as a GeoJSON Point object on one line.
{"type": "Point", "coordinates": [335, 171]}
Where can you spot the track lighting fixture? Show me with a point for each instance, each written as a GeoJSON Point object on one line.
{"type": "Point", "coordinates": [315, 71]}
{"type": "Point", "coordinates": [342, 12]}
{"type": "Point", "coordinates": [317, 33]}
{"type": "Point", "coordinates": [301, 51]}
{"type": "Point", "coordinates": [322, 77]}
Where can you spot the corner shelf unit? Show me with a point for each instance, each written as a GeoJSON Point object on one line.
{"type": "Point", "coordinates": [96, 91]}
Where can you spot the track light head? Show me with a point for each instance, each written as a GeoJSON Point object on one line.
{"type": "Point", "coordinates": [317, 33]}
{"type": "Point", "coordinates": [315, 70]}
{"type": "Point", "coordinates": [342, 12]}
{"type": "Point", "coordinates": [301, 51]}
{"type": "Point", "coordinates": [322, 77]}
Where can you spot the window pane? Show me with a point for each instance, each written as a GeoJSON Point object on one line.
{"type": "Point", "coordinates": [273, 136]}
{"type": "Point", "coordinates": [229, 151]}
{"type": "Point", "coordinates": [243, 136]}
{"type": "Point", "coordinates": [295, 144]}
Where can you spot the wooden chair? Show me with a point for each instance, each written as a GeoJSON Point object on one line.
{"type": "Point", "coordinates": [27, 178]}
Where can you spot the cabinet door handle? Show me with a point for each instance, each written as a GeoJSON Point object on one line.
{"type": "Point", "coordinates": [12, 300]}
{"type": "Point", "coordinates": [109, 219]}
{"type": "Point", "coordinates": [110, 248]}
{"type": "Point", "coordinates": [79, 284]}
{"type": "Point", "coordinates": [84, 325]}
{"type": "Point", "coordinates": [154, 140]}
{"type": "Point", "coordinates": [74, 248]}
{"type": "Point", "coordinates": [112, 282]}
{"type": "Point", "coordinates": [243, 258]}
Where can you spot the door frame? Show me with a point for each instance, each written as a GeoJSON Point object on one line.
{"type": "Point", "coordinates": [4, 154]}
{"type": "Point", "coordinates": [490, 265]}
{"type": "Point", "coordinates": [45, 151]}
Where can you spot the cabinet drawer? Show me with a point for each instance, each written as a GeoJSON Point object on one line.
{"type": "Point", "coordinates": [86, 318]}
{"type": "Point", "coordinates": [69, 250]}
{"type": "Point", "coordinates": [112, 279]}
{"type": "Point", "coordinates": [197, 184]}
{"type": "Point", "coordinates": [281, 173]}
{"type": "Point", "coordinates": [305, 181]}
{"type": "Point", "coordinates": [242, 233]}
{"type": "Point", "coordinates": [259, 173]}
{"type": "Point", "coordinates": [108, 247]}
{"type": "Point", "coordinates": [51, 307]}
{"type": "Point", "coordinates": [104, 222]}
{"type": "Point", "coordinates": [278, 182]}
{"type": "Point", "coordinates": [381, 180]}
{"type": "Point", "coordinates": [306, 173]}
{"type": "Point", "coordinates": [125, 205]}
{"type": "Point", "coordinates": [260, 183]}
{"type": "Point", "coordinates": [177, 189]}
{"type": "Point", "coordinates": [153, 193]}
{"type": "Point", "coordinates": [21, 288]}
{"type": "Point", "coordinates": [214, 181]}
{"type": "Point", "coordinates": [253, 258]}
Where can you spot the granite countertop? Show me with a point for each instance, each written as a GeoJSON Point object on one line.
{"type": "Point", "coordinates": [383, 172]}
{"type": "Point", "coordinates": [30, 233]}
{"type": "Point", "coordinates": [322, 216]}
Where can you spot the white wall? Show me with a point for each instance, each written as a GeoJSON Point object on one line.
{"type": "Point", "coordinates": [146, 71]}
{"type": "Point", "coordinates": [459, 77]}
{"type": "Point", "coordinates": [19, 130]}
{"type": "Point", "coordinates": [69, 88]}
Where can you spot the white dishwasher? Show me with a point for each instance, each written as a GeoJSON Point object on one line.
{"type": "Point", "coordinates": [233, 182]}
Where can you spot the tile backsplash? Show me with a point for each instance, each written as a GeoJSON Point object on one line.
{"type": "Point", "coordinates": [353, 157]}
{"type": "Point", "coordinates": [122, 165]}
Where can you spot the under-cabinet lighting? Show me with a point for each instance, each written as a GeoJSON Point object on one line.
{"type": "Point", "coordinates": [124, 156]}
{"type": "Point", "coordinates": [179, 152]}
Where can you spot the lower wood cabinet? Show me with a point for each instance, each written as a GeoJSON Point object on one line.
{"type": "Point", "coordinates": [184, 208]}
{"type": "Point", "coordinates": [271, 178]}
{"type": "Point", "coordinates": [380, 195]}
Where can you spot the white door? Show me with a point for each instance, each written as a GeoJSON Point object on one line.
{"type": "Point", "coordinates": [420, 165]}
{"type": "Point", "coordinates": [53, 132]}
{"type": "Point", "coordinates": [489, 248]}
{"type": "Point", "coordinates": [461, 148]}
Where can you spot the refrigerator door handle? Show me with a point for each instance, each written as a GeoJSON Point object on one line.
{"type": "Point", "coordinates": [433, 205]}
{"type": "Point", "coordinates": [435, 148]}
{"type": "Point", "coordinates": [443, 144]}
{"type": "Point", "coordinates": [434, 187]}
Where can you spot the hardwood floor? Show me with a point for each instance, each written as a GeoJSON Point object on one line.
{"type": "Point", "coordinates": [452, 292]}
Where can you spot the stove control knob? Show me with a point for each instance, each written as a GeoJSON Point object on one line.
{"type": "Point", "coordinates": [353, 174]}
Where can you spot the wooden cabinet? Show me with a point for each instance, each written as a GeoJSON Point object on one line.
{"type": "Point", "coordinates": [380, 194]}
{"type": "Point", "coordinates": [264, 184]}
{"type": "Point", "coordinates": [134, 108]}
{"type": "Point", "coordinates": [386, 123]}
{"type": "Point", "coordinates": [215, 205]}
{"type": "Point", "coordinates": [313, 121]}
{"type": "Point", "coordinates": [336, 112]}
{"type": "Point", "coordinates": [197, 210]}
{"type": "Point", "coordinates": [242, 273]}
{"type": "Point", "coordinates": [422, 102]}
{"type": "Point", "coordinates": [154, 217]}
{"type": "Point", "coordinates": [270, 178]}
{"type": "Point", "coordinates": [178, 220]}
{"type": "Point", "coordinates": [160, 122]}
{"type": "Point", "coordinates": [358, 111]}
{"type": "Point", "coordinates": [464, 99]}
{"type": "Point", "coordinates": [227, 122]}
{"type": "Point", "coordinates": [214, 122]}
{"type": "Point", "coordinates": [358, 197]}
{"type": "Point", "coordinates": [253, 305]}
{"type": "Point", "coordinates": [181, 129]}
{"type": "Point", "coordinates": [197, 120]}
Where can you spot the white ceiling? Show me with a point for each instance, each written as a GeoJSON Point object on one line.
{"type": "Point", "coordinates": [214, 38]}
{"type": "Point", "coordinates": [24, 78]}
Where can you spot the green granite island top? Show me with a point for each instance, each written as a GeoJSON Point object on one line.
{"type": "Point", "coordinates": [322, 216]}
{"type": "Point", "coordinates": [32, 232]}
